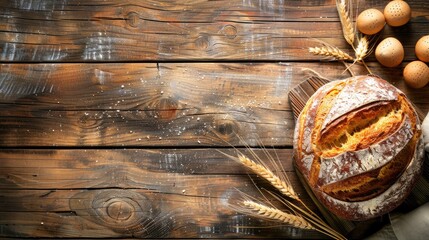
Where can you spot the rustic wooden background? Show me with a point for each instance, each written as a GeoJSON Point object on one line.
{"type": "Point", "coordinates": [113, 113]}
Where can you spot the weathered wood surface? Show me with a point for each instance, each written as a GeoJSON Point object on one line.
{"type": "Point", "coordinates": [124, 193]}
{"type": "Point", "coordinates": [164, 104]}
{"type": "Point", "coordinates": [112, 112]}
{"type": "Point", "coordinates": [75, 31]}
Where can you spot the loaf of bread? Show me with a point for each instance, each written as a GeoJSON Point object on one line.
{"type": "Point", "coordinates": [358, 145]}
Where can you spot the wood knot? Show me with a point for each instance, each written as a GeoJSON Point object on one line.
{"type": "Point", "coordinates": [202, 42]}
{"type": "Point", "coordinates": [123, 211]}
{"type": "Point", "coordinates": [164, 109]}
{"type": "Point", "coordinates": [229, 31]}
{"type": "Point", "coordinates": [89, 120]}
{"type": "Point", "coordinates": [120, 210]}
{"type": "Point", "coordinates": [133, 19]}
{"type": "Point", "coordinates": [226, 128]}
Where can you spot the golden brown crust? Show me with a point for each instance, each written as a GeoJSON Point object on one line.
{"type": "Point", "coordinates": [354, 142]}
{"type": "Point", "coordinates": [372, 183]}
{"type": "Point", "coordinates": [305, 122]}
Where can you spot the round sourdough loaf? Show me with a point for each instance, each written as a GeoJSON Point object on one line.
{"type": "Point", "coordinates": [358, 145]}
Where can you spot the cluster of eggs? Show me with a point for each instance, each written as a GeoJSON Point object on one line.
{"type": "Point", "coordinates": [390, 51]}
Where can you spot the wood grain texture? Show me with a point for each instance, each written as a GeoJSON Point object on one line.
{"type": "Point", "coordinates": [164, 104]}
{"type": "Point", "coordinates": [135, 192]}
{"type": "Point", "coordinates": [112, 112]}
{"type": "Point", "coordinates": [63, 169]}
{"type": "Point", "coordinates": [76, 31]}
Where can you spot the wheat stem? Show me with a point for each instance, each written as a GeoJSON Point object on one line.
{"type": "Point", "coordinates": [346, 23]}
{"type": "Point", "coordinates": [276, 214]}
{"type": "Point", "coordinates": [330, 51]}
{"type": "Point", "coordinates": [262, 171]}
{"type": "Point", "coordinates": [366, 66]}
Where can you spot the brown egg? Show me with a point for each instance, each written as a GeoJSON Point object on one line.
{"type": "Point", "coordinates": [390, 52]}
{"type": "Point", "coordinates": [370, 21]}
{"type": "Point", "coordinates": [397, 13]}
{"type": "Point", "coordinates": [416, 74]}
{"type": "Point", "coordinates": [422, 49]}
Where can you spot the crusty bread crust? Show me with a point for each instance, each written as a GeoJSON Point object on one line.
{"type": "Point", "coordinates": [358, 144]}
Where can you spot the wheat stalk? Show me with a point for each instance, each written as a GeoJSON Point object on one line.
{"type": "Point", "coordinates": [330, 51]}
{"type": "Point", "coordinates": [302, 217]}
{"type": "Point", "coordinates": [264, 172]}
{"type": "Point", "coordinates": [346, 21]}
{"type": "Point", "coordinates": [271, 213]}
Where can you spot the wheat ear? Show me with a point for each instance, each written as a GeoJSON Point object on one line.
{"type": "Point", "coordinates": [346, 22]}
{"type": "Point", "coordinates": [361, 50]}
{"type": "Point", "coordinates": [277, 215]}
{"type": "Point", "coordinates": [262, 171]}
{"type": "Point", "coordinates": [330, 51]}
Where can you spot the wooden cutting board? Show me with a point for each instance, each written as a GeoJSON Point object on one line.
{"type": "Point", "coordinates": [298, 97]}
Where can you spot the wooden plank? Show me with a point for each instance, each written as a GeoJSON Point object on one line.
{"type": "Point", "coordinates": [135, 168]}
{"type": "Point", "coordinates": [165, 104]}
{"type": "Point", "coordinates": [139, 86]}
{"type": "Point", "coordinates": [75, 31]}
{"type": "Point", "coordinates": [132, 213]}
{"type": "Point", "coordinates": [180, 161]}
{"type": "Point", "coordinates": [144, 193]}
